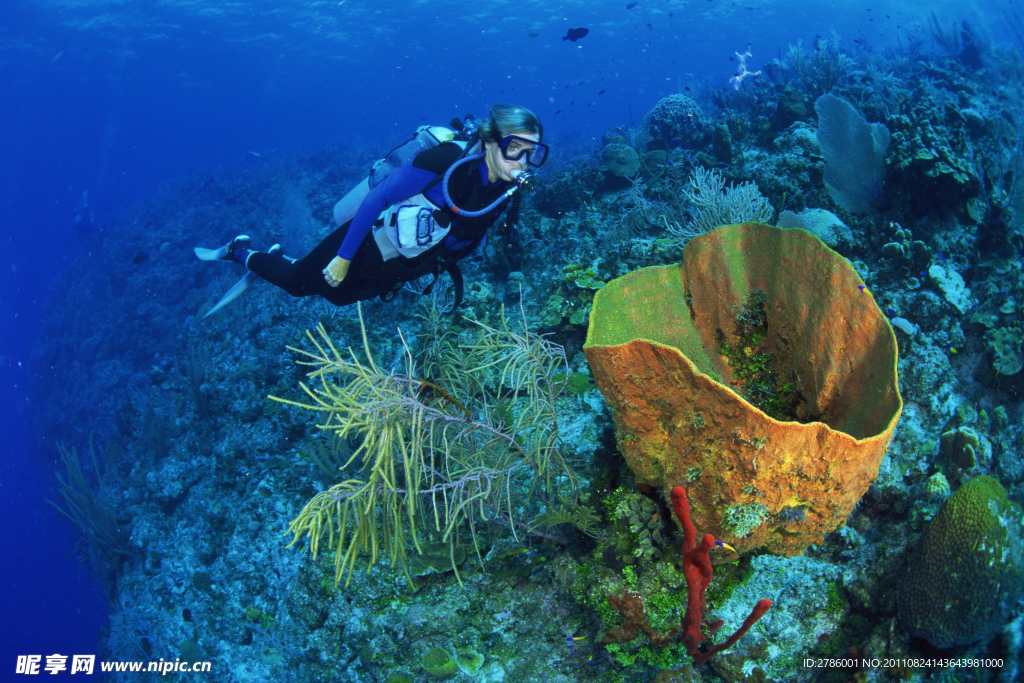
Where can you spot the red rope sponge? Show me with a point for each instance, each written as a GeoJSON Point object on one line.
{"type": "Point", "coordinates": [698, 572]}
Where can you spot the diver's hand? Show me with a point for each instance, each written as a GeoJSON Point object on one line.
{"type": "Point", "coordinates": [336, 271]}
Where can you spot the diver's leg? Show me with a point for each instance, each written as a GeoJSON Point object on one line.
{"type": "Point", "coordinates": [305, 276]}
{"type": "Point", "coordinates": [302, 277]}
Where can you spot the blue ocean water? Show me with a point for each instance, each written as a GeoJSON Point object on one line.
{"type": "Point", "coordinates": [106, 102]}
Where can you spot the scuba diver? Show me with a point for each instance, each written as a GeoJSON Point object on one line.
{"type": "Point", "coordinates": [423, 217]}
{"type": "Point", "coordinates": [84, 222]}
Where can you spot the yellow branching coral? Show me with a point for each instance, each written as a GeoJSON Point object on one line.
{"type": "Point", "coordinates": [423, 453]}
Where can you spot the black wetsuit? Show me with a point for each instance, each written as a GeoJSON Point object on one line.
{"type": "Point", "coordinates": [369, 274]}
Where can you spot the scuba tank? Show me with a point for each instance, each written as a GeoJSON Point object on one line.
{"type": "Point", "coordinates": [425, 137]}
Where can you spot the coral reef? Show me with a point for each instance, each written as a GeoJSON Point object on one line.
{"type": "Point", "coordinates": [193, 475]}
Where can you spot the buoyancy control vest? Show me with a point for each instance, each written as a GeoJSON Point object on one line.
{"type": "Point", "coordinates": [417, 224]}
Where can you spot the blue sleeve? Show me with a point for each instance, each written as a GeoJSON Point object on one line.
{"type": "Point", "coordinates": [402, 183]}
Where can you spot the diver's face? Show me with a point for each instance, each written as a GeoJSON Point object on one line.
{"type": "Point", "coordinates": [500, 168]}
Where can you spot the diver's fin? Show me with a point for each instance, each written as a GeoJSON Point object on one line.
{"type": "Point", "coordinates": [234, 292]}
{"type": "Point", "coordinates": [239, 287]}
{"type": "Point", "coordinates": [211, 254]}
{"type": "Point", "coordinates": [222, 253]}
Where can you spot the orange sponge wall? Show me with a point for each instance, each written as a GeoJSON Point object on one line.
{"type": "Point", "coordinates": [654, 346]}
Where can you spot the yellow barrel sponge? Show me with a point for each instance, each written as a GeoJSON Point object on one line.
{"type": "Point", "coordinates": [659, 345]}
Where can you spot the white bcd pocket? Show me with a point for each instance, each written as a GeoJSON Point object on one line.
{"type": "Point", "coordinates": [411, 227]}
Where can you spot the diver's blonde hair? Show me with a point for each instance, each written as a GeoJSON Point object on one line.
{"type": "Point", "coordinates": [507, 119]}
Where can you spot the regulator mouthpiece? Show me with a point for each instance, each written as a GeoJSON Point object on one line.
{"type": "Point", "coordinates": [525, 180]}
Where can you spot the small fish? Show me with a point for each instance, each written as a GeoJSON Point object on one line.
{"type": "Point", "coordinates": [864, 289]}
{"type": "Point", "coordinates": [575, 34]}
{"type": "Point", "coordinates": [533, 34]}
{"type": "Point", "coordinates": [601, 93]}
{"type": "Point", "coordinates": [632, 5]}
{"type": "Point", "coordinates": [720, 544]}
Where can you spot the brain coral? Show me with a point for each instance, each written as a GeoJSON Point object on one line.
{"type": "Point", "coordinates": [967, 573]}
{"type": "Point", "coordinates": [676, 120]}
{"type": "Point", "coordinates": [619, 159]}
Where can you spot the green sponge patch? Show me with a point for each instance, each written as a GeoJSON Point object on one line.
{"type": "Point", "coordinates": [469, 660]}
{"type": "Point", "coordinates": [437, 663]}
{"type": "Point", "coordinates": [1006, 349]}
{"type": "Point", "coordinates": [436, 558]}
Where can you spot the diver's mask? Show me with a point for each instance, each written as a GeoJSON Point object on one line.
{"type": "Point", "coordinates": [517, 148]}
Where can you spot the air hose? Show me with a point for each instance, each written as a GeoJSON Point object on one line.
{"type": "Point", "coordinates": [521, 179]}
